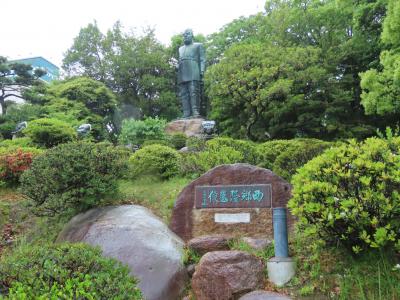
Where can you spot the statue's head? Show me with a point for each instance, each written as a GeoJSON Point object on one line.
{"type": "Point", "coordinates": [188, 36]}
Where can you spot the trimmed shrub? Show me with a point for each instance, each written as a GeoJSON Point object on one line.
{"type": "Point", "coordinates": [284, 157]}
{"type": "Point", "coordinates": [269, 151]}
{"type": "Point", "coordinates": [73, 176]}
{"type": "Point", "coordinates": [64, 271]}
{"type": "Point", "coordinates": [156, 160]}
{"type": "Point", "coordinates": [49, 132]}
{"type": "Point", "coordinates": [246, 148]}
{"type": "Point", "coordinates": [296, 154]}
{"type": "Point", "coordinates": [135, 132]}
{"type": "Point", "coordinates": [177, 140]}
{"type": "Point", "coordinates": [350, 194]}
{"type": "Point", "coordinates": [195, 164]}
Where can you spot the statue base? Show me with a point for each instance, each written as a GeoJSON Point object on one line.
{"type": "Point", "coordinates": [189, 127]}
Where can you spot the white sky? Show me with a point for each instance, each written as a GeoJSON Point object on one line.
{"type": "Point", "coordinates": [47, 27]}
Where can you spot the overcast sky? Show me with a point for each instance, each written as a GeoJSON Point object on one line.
{"type": "Point", "coordinates": [47, 27]}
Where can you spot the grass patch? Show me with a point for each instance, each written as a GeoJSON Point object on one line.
{"type": "Point", "coordinates": [157, 195]}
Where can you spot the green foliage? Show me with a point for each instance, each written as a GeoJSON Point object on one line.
{"type": "Point", "coordinates": [381, 86]}
{"type": "Point", "coordinates": [296, 155]}
{"type": "Point", "coordinates": [190, 257]}
{"type": "Point", "coordinates": [195, 144]}
{"type": "Point", "coordinates": [292, 71]}
{"type": "Point", "coordinates": [14, 79]}
{"type": "Point", "coordinates": [258, 88]}
{"type": "Point", "coordinates": [195, 164]}
{"type": "Point", "coordinates": [178, 140]}
{"type": "Point", "coordinates": [284, 157]}
{"type": "Point", "coordinates": [23, 142]}
{"type": "Point", "coordinates": [155, 160]}
{"type": "Point", "coordinates": [153, 193]}
{"type": "Point", "coordinates": [65, 271]}
{"type": "Point", "coordinates": [246, 148]}
{"type": "Point", "coordinates": [265, 254]}
{"type": "Point", "coordinates": [156, 142]}
{"type": "Point", "coordinates": [6, 127]}
{"type": "Point", "coordinates": [73, 176]}
{"type": "Point", "coordinates": [135, 132]}
{"type": "Point", "coordinates": [349, 194]}
{"type": "Point", "coordinates": [137, 68]}
{"type": "Point", "coordinates": [93, 94]}
{"type": "Point", "coordinates": [49, 132]}
{"type": "Point", "coordinates": [269, 151]}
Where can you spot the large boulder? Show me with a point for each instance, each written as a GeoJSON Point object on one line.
{"type": "Point", "coordinates": [189, 222]}
{"type": "Point", "coordinates": [134, 236]}
{"type": "Point", "coordinates": [226, 275]}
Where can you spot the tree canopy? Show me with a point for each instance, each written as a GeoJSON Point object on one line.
{"type": "Point", "coordinates": [137, 69]}
{"type": "Point", "coordinates": [14, 79]}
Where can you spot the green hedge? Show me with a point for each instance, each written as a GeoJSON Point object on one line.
{"type": "Point", "coordinates": [64, 271]}
{"type": "Point", "coordinates": [73, 176]}
{"type": "Point", "coordinates": [350, 194]}
{"type": "Point", "coordinates": [284, 157]}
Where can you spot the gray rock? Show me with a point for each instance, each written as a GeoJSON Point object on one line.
{"type": "Point", "coordinates": [134, 236]}
{"type": "Point", "coordinates": [257, 243]}
{"type": "Point", "coordinates": [264, 295]}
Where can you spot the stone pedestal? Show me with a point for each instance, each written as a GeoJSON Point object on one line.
{"type": "Point", "coordinates": [280, 270]}
{"type": "Point", "coordinates": [190, 127]}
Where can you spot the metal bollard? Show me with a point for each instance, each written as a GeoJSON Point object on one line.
{"type": "Point", "coordinates": [280, 232]}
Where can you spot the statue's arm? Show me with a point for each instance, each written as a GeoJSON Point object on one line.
{"type": "Point", "coordinates": [202, 54]}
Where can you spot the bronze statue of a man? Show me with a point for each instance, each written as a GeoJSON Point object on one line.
{"type": "Point", "coordinates": [190, 74]}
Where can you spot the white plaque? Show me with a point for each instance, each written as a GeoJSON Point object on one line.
{"type": "Point", "coordinates": [232, 218]}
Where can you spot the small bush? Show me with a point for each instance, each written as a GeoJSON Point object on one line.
{"type": "Point", "coordinates": [49, 132]}
{"type": "Point", "coordinates": [156, 160]}
{"type": "Point", "coordinates": [246, 148]}
{"type": "Point", "coordinates": [72, 176]}
{"type": "Point", "coordinates": [177, 140]}
{"type": "Point", "coordinates": [195, 164]}
{"type": "Point", "coordinates": [269, 151]}
{"type": "Point", "coordinates": [135, 132]}
{"type": "Point", "coordinates": [13, 165]}
{"type": "Point", "coordinates": [64, 271]}
{"type": "Point", "coordinates": [284, 157]}
{"type": "Point", "coordinates": [296, 154]}
{"type": "Point", "coordinates": [350, 194]}
{"type": "Point", "coordinates": [6, 128]}
{"type": "Point", "coordinates": [14, 161]}
{"type": "Point", "coordinates": [195, 144]}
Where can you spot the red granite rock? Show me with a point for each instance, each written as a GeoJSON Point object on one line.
{"type": "Point", "coordinates": [184, 214]}
{"type": "Point", "coordinates": [226, 275]}
{"type": "Point", "coordinates": [209, 243]}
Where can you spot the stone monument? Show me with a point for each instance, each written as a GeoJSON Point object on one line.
{"type": "Point", "coordinates": [235, 200]}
